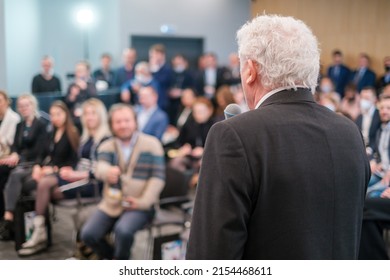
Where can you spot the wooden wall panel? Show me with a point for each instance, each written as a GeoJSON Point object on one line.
{"type": "Point", "coordinates": [354, 26]}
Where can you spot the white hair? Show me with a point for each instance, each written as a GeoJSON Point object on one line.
{"type": "Point", "coordinates": [142, 66]}
{"type": "Point", "coordinates": [284, 49]}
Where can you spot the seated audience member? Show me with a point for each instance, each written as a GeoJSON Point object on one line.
{"type": "Point", "coordinates": [125, 72]}
{"type": "Point", "coordinates": [192, 138]}
{"type": "Point", "coordinates": [385, 79]}
{"type": "Point", "coordinates": [376, 218]}
{"type": "Point", "coordinates": [363, 76]}
{"type": "Point", "coordinates": [330, 100]}
{"type": "Point", "coordinates": [150, 118]}
{"type": "Point", "coordinates": [185, 111]}
{"type": "Point", "coordinates": [187, 99]}
{"type": "Point", "coordinates": [181, 79]}
{"type": "Point", "coordinates": [46, 81]}
{"type": "Point", "coordinates": [385, 91]}
{"type": "Point", "coordinates": [95, 131]}
{"type": "Point", "coordinates": [350, 104]}
{"type": "Point", "coordinates": [223, 97]}
{"type": "Point", "coordinates": [326, 86]}
{"type": "Point", "coordinates": [132, 167]}
{"type": "Point", "coordinates": [232, 74]}
{"type": "Point", "coordinates": [210, 77]}
{"type": "Point", "coordinates": [8, 121]}
{"type": "Point", "coordinates": [338, 72]}
{"type": "Point", "coordinates": [104, 76]}
{"type": "Point", "coordinates": [80, 90]}
{"type": "Point", "coordinates": [143, 78]}
{"type": "Point", "coordinates": [368, 121]}
{"type": "Point", "coordinates": [239, 97]}
{"type": "Point", "coordinates": [380, 158]}
{"type": "Point", "coordinates": [26, 150]}
{"type": "Point", "coordinates": [162, 73]}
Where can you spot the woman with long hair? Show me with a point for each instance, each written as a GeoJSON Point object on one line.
{"type": "Point", "coordinates": [95, 131]}
{"type": "Point", "coordinates": [59, 150]}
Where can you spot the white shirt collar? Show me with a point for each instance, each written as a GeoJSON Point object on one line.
{"type": "Point", "coordinates": [272, 92]}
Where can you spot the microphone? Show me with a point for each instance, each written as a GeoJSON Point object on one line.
{"type": "Point", "coordinates": [231, 110]}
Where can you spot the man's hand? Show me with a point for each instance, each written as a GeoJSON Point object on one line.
{"type": "Point", "coordinates": [113, 175]}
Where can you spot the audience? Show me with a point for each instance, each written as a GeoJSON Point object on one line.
{"type": "Point", "coordinates": [151, 119]}
{"type": "Point", "coordinates": [125, 72]}
{"type": "Point", "coordinates": [26, 151]}
{"type": "Point", "coordinates": [156, 88]}
{"type": "Point", "coordinates": [224, 97]}
{"type": "Point", "coordinates": [338, 72]}
{"type": "Point", "coordinates": [210, 77]}
{"type": "Point", "coordinates": [192, 138]}
{"type": "Point", "coordinates": [104, 76]}
{"type": "Point", "coordinates": [232, 75]}
{"type": "Point", "coordinates": [363, 76]}
{"type": "Point", "coordinates": [181, 79]}
{"type": "Point", "coordinates": [350, 103]}
{"type": "Point", "coordinates": [161, 72]}
{"type": "Point", "coordinates": [8, 122]}
{"type": "Point", "coordinates": [60, 149]}
{"type": "Point", "coordinates": [380, 158]}
{"type": "Point", "coordinates": [95, 131]}
{"type": "Point", "coordinates": [142, 78]}
{"type": "Point", "coordinates": [131, 165]}
{"type": "Point", "coordinates": [368, 121]}
{"type": "Point", "coordinates": [46, 81]}
{"type": "Point", "coordinates": [385, 79]}
{"type": "Point", "coordinates": [187, 99]}
{"type": "Point", "coordinates": [80, 90]}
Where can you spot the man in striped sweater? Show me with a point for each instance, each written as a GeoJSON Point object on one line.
{"type": "Point", "coordinates": [131, 165]}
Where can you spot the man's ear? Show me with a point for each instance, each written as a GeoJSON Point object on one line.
{"type": "Point", "coordinates": [251, 72]}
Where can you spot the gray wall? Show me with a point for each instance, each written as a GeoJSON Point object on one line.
{"type": "Point", "coordinates": [34, 28]}
{"type": "Point", "coordinates": [22, 43]}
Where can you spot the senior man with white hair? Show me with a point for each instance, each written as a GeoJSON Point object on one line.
{"type": "Point", "coordinates": [287, 179]}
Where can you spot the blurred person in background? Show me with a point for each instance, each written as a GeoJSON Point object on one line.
{"type": "Point", "coordinates": [82, 88]}
{"type": "Point", "coordinates": [46, 81]}
{"type": "Point", "coordinates": [181, 79]}
{"type": "Point", "coordinates": [151, 119]}
{"type": "Point", "coordinates": [104, 76]}
{"type": "Point", "coordinates": [338, 72]}
{"type": "Point", "coordinates": [8, 122]}
{"type": "Point", "coordinates": [162, 73]}
{"type": "Point", "coordinates": [125, 72]}
{"type": "Point", "coordinates": [142, 78]}
{"type": "Point", "coordinates": [350, 103]}
{"type": "Point", "coordinates": [363, 76]}
{"type": "Point", "coordinates": [27, 150]}
{"type": "Point", "coordinates": [369, 120]}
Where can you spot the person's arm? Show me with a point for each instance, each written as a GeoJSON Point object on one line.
{"type": "Point", "coordinates": [161, 126]}
{"type": "Point", "coordinates": [224, 199]}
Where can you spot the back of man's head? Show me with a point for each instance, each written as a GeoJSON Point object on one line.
{"type": "Point", "coordinates": [284, 49]}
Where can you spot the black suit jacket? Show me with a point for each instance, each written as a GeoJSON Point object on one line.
{"type": "Point", "coordinates": [340, 80]}
{"type": "Point", "coordinates": [284, 181]}
{"type": "Point", "coordinates": [375, 125]}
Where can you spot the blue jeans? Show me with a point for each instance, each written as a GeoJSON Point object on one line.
{"type": "Point", "coordinates": [375, 186]}
{"type": "Point", "coordinates": [124, 228]}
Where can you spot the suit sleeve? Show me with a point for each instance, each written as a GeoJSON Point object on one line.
{"type": "Point", "coordinates": [223, 201]}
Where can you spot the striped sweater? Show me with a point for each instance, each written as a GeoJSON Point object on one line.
{"type": "Point", "coordinates": [143, 177]}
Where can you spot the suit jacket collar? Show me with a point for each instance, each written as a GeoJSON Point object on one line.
{"type": "Point", "coordinates": [289, 96]}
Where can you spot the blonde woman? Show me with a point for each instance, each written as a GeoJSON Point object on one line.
{"type": "Point", "coordinates": [26, 150]}
{"type": "Point", "coordinates": [95, 130]}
